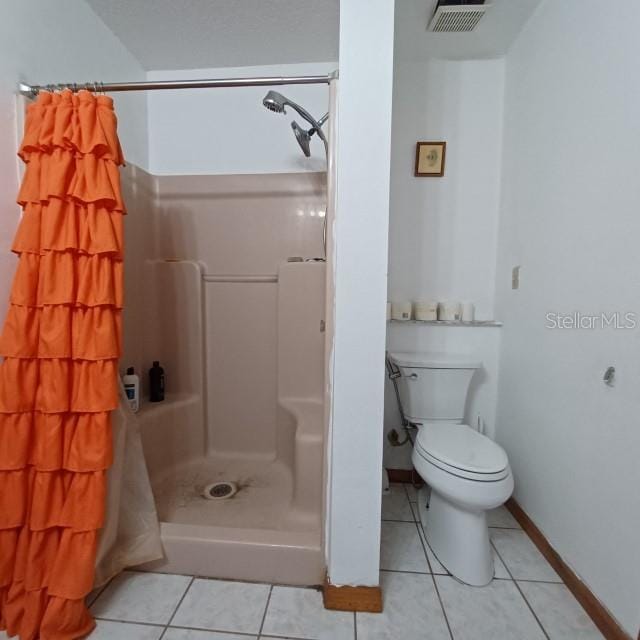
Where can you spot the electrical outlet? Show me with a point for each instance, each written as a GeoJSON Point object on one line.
{"type": "Point", "coordinates": [515, 277]}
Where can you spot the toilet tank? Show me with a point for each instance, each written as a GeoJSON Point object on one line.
{"type": "Point", "coordinates": [434, 386]}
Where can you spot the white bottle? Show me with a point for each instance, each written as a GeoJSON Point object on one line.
{"type": "Point", "coordinates": [132, 388]}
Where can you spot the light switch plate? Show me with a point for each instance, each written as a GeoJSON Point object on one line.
{"type": "Point", "coordinates": [515, 277]}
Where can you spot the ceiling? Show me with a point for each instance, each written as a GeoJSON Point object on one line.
{"type": "Point", "coordinates": [196, 34]}
{"type": "Point", "coordinates": [490, 39]}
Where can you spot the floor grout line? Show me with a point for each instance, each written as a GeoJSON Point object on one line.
{"type": "Point", "coordinates": [173, 615]}
{"type": "Point", "coordinates": [277, 637]}
{"type": "Point", "coordinates": [444, 611]}
{"type": "Point", "coordinates": [533, 613]}
{"type": "Point", "coordinates": [414, 511]}
{"type": "Point", "coordinates": [417, 524]}
{"type": "Point", "coordinates": [102, 590]}
{"type": "Point", "coordinates": [157, 573]}
{"type": "Point", "coordinates": [534, 581]}
{"type": "Point", "coordinates": [433, 578]}
{"type": "Point", "coordinates": [399, 521]}
{"type": "Point", "coordinates": [240, 634]}
{"type": "Point", "coordinates": [415, 573]}
{"type": "Point", "coordinates": [264, 615]}
{"type": "Point", "coordinates": [355, 626]}
{"type": "Point", "coordinates": [216, 579]}
{"type": "Point", "coordinates": [424, 549]}
{"type": "Point", "coordinates": [406, 492]}
{"type": "Point", "coordinates": [425, 544]}
{"type": "Point", "coordinates": [416, 516]}
{"type": "Point", "coordinates": [158, 625]}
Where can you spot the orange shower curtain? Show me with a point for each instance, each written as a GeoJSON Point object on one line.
{"type": "Point", "coordinates": [58, 380]}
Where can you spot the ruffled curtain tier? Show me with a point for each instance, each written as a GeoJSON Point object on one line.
{"type": "Point", "coordinates": [60, 345]}
{"type": "Point", "coordinates": [58, 385]}
{"type": "Point", "coordinates": [63, 225]}
{"type": "Point", "coordinates": [55, 441]}
{"type": "Point", "coordinates": [62, 331]}
{"type": "Point", "coordinates": [67, 277]}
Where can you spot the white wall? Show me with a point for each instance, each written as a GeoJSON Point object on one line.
{"type": "Point", "coordinates": [228, 130]}
{"type": "Point", "coordinates": [43, 42]}
{"type": "Point", "coordinates": [443, 231]}
{"type": "Point", "coordinates": [361, 236]}
{"type": "Point", "coordinates": [571, 218]}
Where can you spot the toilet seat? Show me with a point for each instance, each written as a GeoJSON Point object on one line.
{"type": "Point", "coordinates": [461, 451]}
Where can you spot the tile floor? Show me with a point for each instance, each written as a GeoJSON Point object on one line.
{"type": "Point", "coordinates": [526, 601]}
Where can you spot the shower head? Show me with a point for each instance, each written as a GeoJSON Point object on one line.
{"type": "Point", "coordinates": [303, 137]}
{"type": "Point", "coordinates": [275, 102]}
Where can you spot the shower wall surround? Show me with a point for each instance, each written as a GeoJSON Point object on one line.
{"type": "Point", "coordinates": [239, 332]}
{"type": "Point", "coordinates": [232, 232]}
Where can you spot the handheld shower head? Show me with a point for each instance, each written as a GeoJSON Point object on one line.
{"type": "Point", "coordinates": [275, 102]}
{"type": "Point", "coordinates": [303, 137]}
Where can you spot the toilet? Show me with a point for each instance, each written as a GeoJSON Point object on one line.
{"type": "Point", "coordinates": [466, 472]}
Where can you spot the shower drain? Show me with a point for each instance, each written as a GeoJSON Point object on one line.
{"type": "Point", "coordinates": [220, 490]}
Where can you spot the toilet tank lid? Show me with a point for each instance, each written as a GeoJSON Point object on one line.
{"type": "Point", "coordinates": [434, 360]}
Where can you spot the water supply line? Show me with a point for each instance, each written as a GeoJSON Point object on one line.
{"type": "Point", "coordinates": [394, 373]}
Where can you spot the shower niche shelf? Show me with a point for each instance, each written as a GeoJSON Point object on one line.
{"type": "Point", "coordinates": [449, 323]}
{"type": "Point", "coordinates": [171, 402]}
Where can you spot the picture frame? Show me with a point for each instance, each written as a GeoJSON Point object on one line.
{"type": "Point", "coordinates": [430, 159]}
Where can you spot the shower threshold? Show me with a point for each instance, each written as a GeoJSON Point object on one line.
{"type": "Point", "coordinates": [259, 555]}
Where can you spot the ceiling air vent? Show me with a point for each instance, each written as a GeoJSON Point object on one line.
{"type": "Point", "coordinates": [453, 16]}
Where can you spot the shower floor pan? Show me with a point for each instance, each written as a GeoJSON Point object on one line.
{"type": "Point", "coordinates": [254, 535]}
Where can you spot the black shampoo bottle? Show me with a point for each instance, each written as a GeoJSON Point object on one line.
{"type": "Point", "coordinates": [156, 383]}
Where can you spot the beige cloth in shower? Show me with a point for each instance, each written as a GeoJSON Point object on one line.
{"type": "Point", "coordinates": [131, 534]}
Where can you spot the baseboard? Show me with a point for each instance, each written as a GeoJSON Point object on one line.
{"type": "Point", "coordinates": [601, 617]}
{"type": "Point", "coordinates": [409, 476]}
{"type": "Point", "coordinates": [348, 598]}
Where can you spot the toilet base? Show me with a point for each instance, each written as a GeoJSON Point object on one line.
{"type": "Point", "coordinates": [458, 538]}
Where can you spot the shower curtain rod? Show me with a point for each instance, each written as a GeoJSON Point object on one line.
{"type": "Point", "coordinates": [32, 90]}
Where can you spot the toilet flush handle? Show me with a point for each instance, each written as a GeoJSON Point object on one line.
{"type": "Point", "coordinates": [413, 376]}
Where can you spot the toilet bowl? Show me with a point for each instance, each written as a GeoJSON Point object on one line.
{"type": "Point", "coordinates": [466, 472]}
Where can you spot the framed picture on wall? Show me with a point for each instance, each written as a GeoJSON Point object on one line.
{"type": "Point", "coordinates": [430, 158]}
